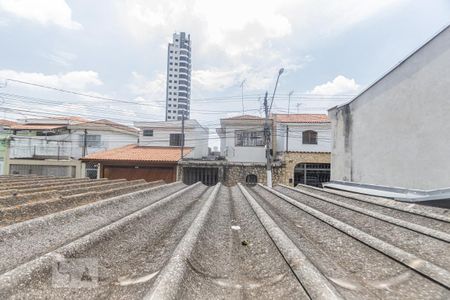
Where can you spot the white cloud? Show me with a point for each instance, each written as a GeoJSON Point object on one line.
{"type": "Point", "coordinates": [338, 86]}
{"type": "Point", "coordinates": [77, 80]}
{"type": "Point", "coordinates": [236, 40]}
{"type": "Point", "coordinates": [150, 92]}
{"type": "Point", "coordinates": [61, 58]}
{"type": "Point", "coordinates": [45, 12]}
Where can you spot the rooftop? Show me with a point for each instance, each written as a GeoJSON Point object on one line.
{"type": "Point", "coordinates": [4, 122]}
{"type": "Point", "coordinates": [105, 123]}
{"type": "Point", "coordinates": [244, 117]}
{"type": "Point", "coordinates": [137, 240]}
{"type": "Point", "coordinates": [137, 153]}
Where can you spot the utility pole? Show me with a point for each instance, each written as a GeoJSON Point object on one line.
{"type": "Point", "coordinates": [242, 95]}
{"type": "Point", "coordinates": [182, 135]}
{"type": "Point", "coordinates": [289, 101]}
{"type": "Point", "coordinates": [287, 138]}
{"type": "Point", "coordinates": [267, 142]}
{"type": "Point", "coordinates": [84, 143]}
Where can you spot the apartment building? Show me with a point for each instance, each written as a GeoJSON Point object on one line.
{"type": "Point", "coordinates": [178, 84]}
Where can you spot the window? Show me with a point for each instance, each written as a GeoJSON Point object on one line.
{"type": "Point", "coordinates": [309, 137]}
{"type": "Point", "coordinates": [176, 139]}
{"type": "Point", "coordinates": [249, 138]}
{"type": "Point", "coordinates": [148, 132]}
{"type": "Point", "coordinates": [92, 140]}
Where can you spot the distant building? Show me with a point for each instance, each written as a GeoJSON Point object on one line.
{"type": "Point", "coordinates": [242, 139]}
{"type": "Point", "coordinates": [157, 154]}
{"type": "Point", "coordinates": [178, 85]}
{"type": "Point", "coordinates": [169, 134]}
{"type": "Point", "coordinates": [394, 137]}
{"type": "Point", "coordinates": [53, 146]}
{"type": "Point", "coordinates": [303, 145]}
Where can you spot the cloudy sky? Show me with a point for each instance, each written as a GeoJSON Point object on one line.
{"type": "Point", "coordinates": [117, 49]}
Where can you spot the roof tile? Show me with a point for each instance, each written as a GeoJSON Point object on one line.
{"type": "Point", "coordinates": [139, 153]}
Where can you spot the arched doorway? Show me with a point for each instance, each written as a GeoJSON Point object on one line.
{"type": "Point", "coordinates": [251, 179]}
{"type": "Point", "coordinates": [311, 174]}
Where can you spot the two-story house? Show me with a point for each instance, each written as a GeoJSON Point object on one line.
{"type": "Point", "coordinates": [242, 139]}
{"type": "Point", "coordinates": [300, 148]}
{"type": "Point", "coordinates": [303, 144]}
{"type": "Point", "coordinates": [53, 146]}
{"type": "Point", "coordinates": [156, 155]}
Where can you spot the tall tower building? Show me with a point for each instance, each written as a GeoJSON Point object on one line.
{"type": "Point", "coordinates": [178, 86]}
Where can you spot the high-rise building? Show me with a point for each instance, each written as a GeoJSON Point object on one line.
{"type": "Point", "coordinates": [178, 86]}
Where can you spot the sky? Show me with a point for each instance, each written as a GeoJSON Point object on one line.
{"type": "Point", "coordinates": [116, 53]}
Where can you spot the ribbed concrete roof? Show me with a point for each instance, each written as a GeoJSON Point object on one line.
{"type": "Point", "coordinates": [154, 241]}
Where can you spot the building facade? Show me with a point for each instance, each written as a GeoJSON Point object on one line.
{"type": "Point", "coordinates": [178, 84]}
{"type": "Point", "coordinates": [156, 155]}
{"type": "Point", "coordinates": [303, 145]}
{"type": "Point", "coordinates": [169, 134]}
{"type": "Point", "coordinates": [396, 132]}
{"type": "Point", "coordinates": [54, 146]}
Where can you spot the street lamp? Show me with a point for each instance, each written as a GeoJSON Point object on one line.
{"type": "Point", "coordinates": [275, 89]}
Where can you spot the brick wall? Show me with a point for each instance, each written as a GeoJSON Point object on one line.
{"type": "Point", "coordinates": [239, 173]}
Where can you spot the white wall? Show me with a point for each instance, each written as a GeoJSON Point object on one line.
{"type": "Point", "coordinates": [295, 137]}
{"type": "Point", "coordinates": [241, 154]}
{"type": "Point", "coordinates": [195, 136]}
{"type": "Point", "coordinates": [109, 140]}
{"type": "Point", "coordinates": [67, 145]}
{"type": "Point", "coordinates": [397, 133]}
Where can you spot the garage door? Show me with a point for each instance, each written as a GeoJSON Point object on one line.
{"type": "Point", "coordinates": [168, 174]}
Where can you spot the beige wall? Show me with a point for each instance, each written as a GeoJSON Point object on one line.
{"type": "Point", "coordinates": [291, 159]}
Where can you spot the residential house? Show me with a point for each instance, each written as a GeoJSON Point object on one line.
{"type": "Point", "coordinates": [53, 146]}
{"type": "Point", "coordinates": [157, 154]}
{"type": "Point", "coordinates": [242, 155]}
{"type": "Point", "coordinates": [242, 139]}
{"type": "Point", "coordinates": [303, 144]}
{"type": "Point", "coordinates": [394, 137]}
{"type": "Point", "coordinates": [169, 134]}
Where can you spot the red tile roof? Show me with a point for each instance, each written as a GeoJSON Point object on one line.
{"type": "Point", "coordinates": [109, 123]}
{"type": "Point", "coordinates": [36, 126]}
{"type": "Point", "coordinates": [4, 122]}
{"type": "Point", "coordinates": [137, 153]}
{"type": "Point", "coordinates": [244, 117]}
{"type": "Point", "coordinates": [301, 118]}
{"type": "Point", "coordinates": [71, 118]}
